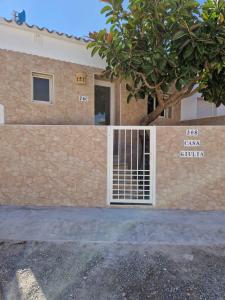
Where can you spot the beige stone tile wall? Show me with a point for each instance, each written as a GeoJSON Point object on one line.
{"type": "Point", "coordinates": [191, 183]}
{"type": "Point", "coordinates": [53, 165]}
{"type": "Point", "coordinates": [67, 165]}
{"type": "Point", "coordinates": [66, 109]}
{"type": "Point", "coordinates": [16, 91]}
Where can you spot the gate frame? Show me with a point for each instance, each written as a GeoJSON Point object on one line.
{"type": "Point", "coordinates": [110, 145]}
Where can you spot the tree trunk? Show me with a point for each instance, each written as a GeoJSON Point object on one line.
{"type": "Point", "coordinates": [174, 99]}
{"type": "Point", "coordinates": [152, 116]}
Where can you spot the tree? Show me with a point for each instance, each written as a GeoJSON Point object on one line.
{"type": "Point", "coordinates": [169, 49]}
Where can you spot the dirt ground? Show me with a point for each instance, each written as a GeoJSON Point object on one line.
{"type": "Point", "coordinates": [86, 265]}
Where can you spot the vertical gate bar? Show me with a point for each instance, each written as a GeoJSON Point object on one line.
{"type": "Point", "coordinates": [118, 165]}
{"type": "Point", "coordinates": [153, 165]}
{"type": "Point", "coordinates": [131, 160]}
{"type": "Point", "coordinates": [143, 172]}
{"type": "Point", "coordinates": [152, 161]}
{"type": "Point", "coordinates": [125, 159]}
{"type": "Point", "coordinates": [112, 158]}
{"type": "Point", "coordinates": [149, 163]}
{"type": "Point", "coordinates": [137, 173]}
{"type": "Point", "coordinates": [110, 164]}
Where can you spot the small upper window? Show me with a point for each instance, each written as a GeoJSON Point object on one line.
{"type": "Point", "coordinates": [42, 87]}
{"type": "Point", "coordinates": [153, 103]}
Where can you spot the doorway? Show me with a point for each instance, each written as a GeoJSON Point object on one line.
{"type": "Point", "coordinates": [104, 103]}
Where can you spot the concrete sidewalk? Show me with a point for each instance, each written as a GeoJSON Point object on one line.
{"type": "Point", "coordinates": [115, 225]}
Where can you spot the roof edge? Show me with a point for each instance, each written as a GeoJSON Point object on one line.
{"type": "Point", "coordinates": [44, 30]}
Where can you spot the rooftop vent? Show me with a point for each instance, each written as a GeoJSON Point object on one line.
{"type": "Point", "coordinates": [19, 17]}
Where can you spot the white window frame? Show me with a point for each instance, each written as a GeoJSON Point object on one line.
{"type": "Point", "coordinates": [2, 116]}
{"type": "Point", "coordinates": [112, 98]}
{"type": "Point", "coordinates": [50, 77]}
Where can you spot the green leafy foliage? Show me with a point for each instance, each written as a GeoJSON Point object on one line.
{"type": "Point", "coordinates": [166, 45]}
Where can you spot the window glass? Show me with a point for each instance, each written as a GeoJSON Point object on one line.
{"type": "Point", "coordinates": [102, 105]}
{"type": "Point", "coordinates": [41, 89]}
{"type": "Point", "coordinates": [152, 104]}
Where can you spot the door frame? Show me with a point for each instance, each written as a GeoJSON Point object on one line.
{"type": "Point", "coordinates": [112, 97]}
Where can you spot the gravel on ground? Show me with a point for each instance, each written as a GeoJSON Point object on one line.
{"type": "Point", "coordinates": [73, 261]}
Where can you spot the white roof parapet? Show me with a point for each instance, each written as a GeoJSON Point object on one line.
{"type": "Point", "coordinates": [43, 29]}
{"type": "Point", "coordinates": [41, 41]}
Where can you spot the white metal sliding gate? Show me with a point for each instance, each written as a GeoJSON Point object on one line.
{"type": "Point", "coordinates": [131, 165]}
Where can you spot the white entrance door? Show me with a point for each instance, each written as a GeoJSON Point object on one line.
{"type": "Point", "coordinates": [131, 165]}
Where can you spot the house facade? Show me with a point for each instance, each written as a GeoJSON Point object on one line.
{"type": "Point", "coordinates": [50, 78]}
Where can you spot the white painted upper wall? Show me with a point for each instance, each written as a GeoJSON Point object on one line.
{"type": "Point", "coordinates": [23, 39]}
{"type": "Point", "coordinates": [221, 110]}
{"type": "Point", "coordinates": [196, 108]}
{"type": "Point", "coordinates": [189, 108]}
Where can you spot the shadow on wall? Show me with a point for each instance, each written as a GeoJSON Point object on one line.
{"type": "Point", "coordinates": [2, 117]}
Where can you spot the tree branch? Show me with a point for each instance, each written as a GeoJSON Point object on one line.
{"type": "Point", "coordinates": [160, 96]}
{"type": "Point", "coordinates": [152, 116]}
{"type": "Point", "coordinates": [146, 82]}
{"type": "Point", "coordinates": [186, 91]}
{"type": "Point", "coordinates": [158, 90]}
{"type": "Point", "coordinates": [192, 92]}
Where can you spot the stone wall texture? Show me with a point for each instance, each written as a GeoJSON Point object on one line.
{"type": "Point", "coordinates": [67, 165]}
{"type": "Point", "coordinates": [65, 109]}
{"type": "Point", "coordinates": [53, 165]}
{"type": "Point", "coordinates": [190, 183]}
{"type": "Point", "coordinates": [16, 91]}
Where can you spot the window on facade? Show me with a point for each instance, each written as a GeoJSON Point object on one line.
{"type": "Point", "coordinates": [153, 103]}
{"type": "Point", "coordinates": [42, 87]}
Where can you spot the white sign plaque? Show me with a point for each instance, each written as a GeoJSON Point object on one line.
{"type": "Point", "coordinates": [192, 143]}
{"type": "Point", "coordinates": [192, 154]}
{"type": "Point", "coordinates": [83, 99]}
